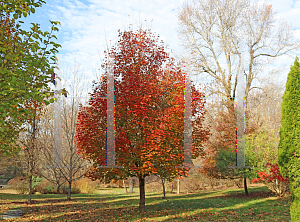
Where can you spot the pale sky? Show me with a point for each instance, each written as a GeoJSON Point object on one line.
{"type": "Point", "coordinates": [88, 26]}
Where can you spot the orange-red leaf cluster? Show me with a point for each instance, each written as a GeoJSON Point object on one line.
{"type": "Point", "coordinates": [149, 112]}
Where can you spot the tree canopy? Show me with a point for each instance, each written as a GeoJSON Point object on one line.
{"type": "Point", "coordinates": [289, 144]}
{"type": "Point", "coordinates": [25, 68]}
{"type": "Point", "coordinates": [149, 114]}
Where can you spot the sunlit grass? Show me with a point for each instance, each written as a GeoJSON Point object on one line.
{"type": "Point", "coordinates": [111, 204]}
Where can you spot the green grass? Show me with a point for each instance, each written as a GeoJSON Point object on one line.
{"type": "Point", "coordinates": [109, 204]}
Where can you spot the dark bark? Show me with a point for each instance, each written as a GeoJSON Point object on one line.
{"type": "Point", "coordinates": [245, 186]}
{"type": "Point", "coordinates": [69, 190]}
{"type": "Point", "coordinates": [58, 189]}
{"type": "Point", "coordinates": [164, 189]}
{"type": "Point", "coordinates": [142, 193]}
{"type": "Point", "coordinates": [30, 189]}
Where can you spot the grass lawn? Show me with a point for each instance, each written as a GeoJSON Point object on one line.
{"type": "Point", "coordinates": [111, 204]}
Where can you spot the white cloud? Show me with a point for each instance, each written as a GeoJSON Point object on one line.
{"type": "Point", "coordinates": [297, 4]}
{"type": "Point", "coordinates": [88, 26]}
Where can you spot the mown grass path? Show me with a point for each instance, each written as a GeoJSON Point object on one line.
{"type": "Point", "coordinates": [113, 205]}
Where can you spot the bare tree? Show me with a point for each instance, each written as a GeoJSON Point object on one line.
{"type": "Point", "coordinates": [48, 170]}
{"type": "Point", "coordinates": [67, 166]}
{"type": "Point", "coordinates": [29, 140]}
{"type": "Point", "coordinates": [73, 165]}
{"type": "Point", "coordinates": [214, 29]}
{"type": "Point", "coordinates": [266, 105]}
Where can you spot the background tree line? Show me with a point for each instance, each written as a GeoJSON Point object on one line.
{"type": "Point", "coordinates": [212, 30]}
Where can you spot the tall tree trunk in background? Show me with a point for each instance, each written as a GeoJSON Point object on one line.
{"type": "Point", "coordinates": [172, 187]}
{"type": "Point", "coordinates": [30, 189]}
{"type": "Point", "coordinates": [245, 186]}
{"type": "Point", "coordinates": [178, 186]}
{"type": "Point", "coordinates": [69, 190]}
{"type": "Point", "coordinates": [70, 179]}
{"type": "Point", "coordinates": [58, 189]}
{"type": "Point", "coordinates": [142, 193]}
{"type": "Point", "coordinates": [164, 188]}
{"type": "Point", "coordinates": [124, 184]}
{"type": "Point", "coordinates": [131, 185]}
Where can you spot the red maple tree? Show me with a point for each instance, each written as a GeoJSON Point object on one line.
{"type": "Point", "coordinates": [149, 114]}
{"type": "Point", "coordinates": [273, 180]}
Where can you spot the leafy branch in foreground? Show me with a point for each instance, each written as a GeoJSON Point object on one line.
{"type": "Point", "coordinates": [25, 68]}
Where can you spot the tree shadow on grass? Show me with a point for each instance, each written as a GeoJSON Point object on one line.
{"type": "Point", "coordinates": [205, 206]}
{"type": "Point", "coordinates": [210, 209]}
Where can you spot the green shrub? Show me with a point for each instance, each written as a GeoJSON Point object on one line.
{"type": "Point", "coordinates": [35, 182]}
{"type": "Point", "coordinates": [295, 210]}
{"type": "Point", "coordinates": [65, 189]}
{"type": "Point", "coordinates": [49, 189]}
{"type": "Point", "coordinates": [45, 187]}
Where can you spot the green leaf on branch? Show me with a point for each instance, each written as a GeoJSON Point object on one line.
{"type": "Point", "coordinates": [13, 79]}
{"type": "Point", "coordinates": [21, 65]}
{"type": "Point", "coordinates": [55, 28]}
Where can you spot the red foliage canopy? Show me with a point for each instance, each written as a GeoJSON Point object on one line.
{"type": "Point", "coordinates": [149, 113]}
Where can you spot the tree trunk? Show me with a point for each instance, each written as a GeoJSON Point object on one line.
{"type": "Point", "coordinates": [238, 182]}
{"type": "Point", "coordinates": [142, 194]}
{"type": "Point", "coordinates": [69, 190]}
{"type": "Point", "coordinates": [178, 186]}
{"type": "Point", "coordinates": [211, 183]}
{"type": "Point", "coordinates": [245, 186]}
{"type": "Point", "coordinates": [164, 189]}
{"type": "Point", "coordinates": [131, 185]}
{"type": "Point", "coordinates": [124, 186]}
{"type": "Point", "coordinates": [58, 188]}
{"type": "Point", "coordinates": [30, 189]}
{"type": "Point", "coordinates": [172, 187]}
{"type": "Point", "coordinates": [221, 183]}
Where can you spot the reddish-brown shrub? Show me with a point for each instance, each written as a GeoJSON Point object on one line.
{"type": "Point", "coordinates": [20, 184]}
